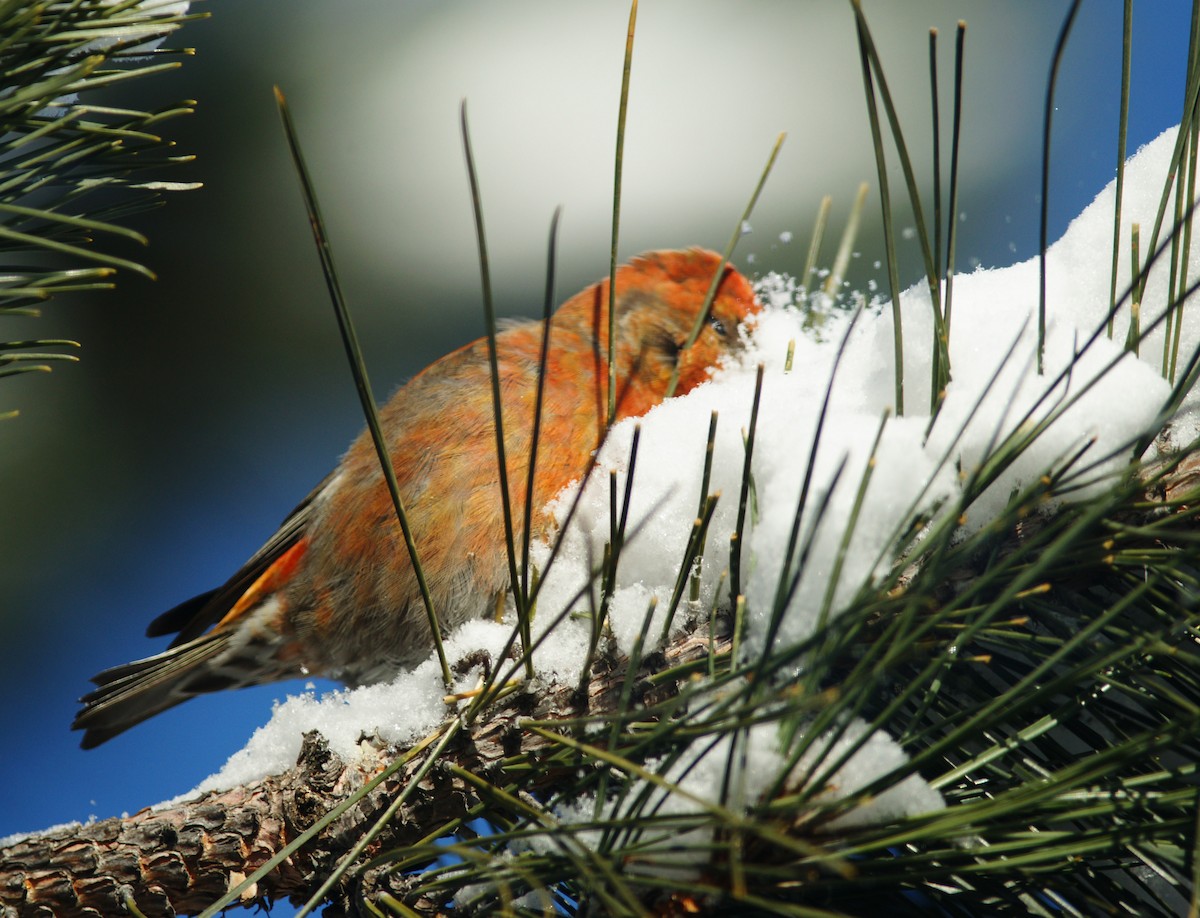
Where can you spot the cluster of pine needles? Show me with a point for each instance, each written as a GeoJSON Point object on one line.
{"type": "Point", "coordinates": [71, 165]}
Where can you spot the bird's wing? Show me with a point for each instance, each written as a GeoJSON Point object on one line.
{"type": "Point", "coordinates": [194, 616]}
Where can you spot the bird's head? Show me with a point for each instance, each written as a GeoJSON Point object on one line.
{"type": "Point", "coordinates": [659, 299]}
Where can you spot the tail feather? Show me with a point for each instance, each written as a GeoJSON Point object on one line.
{"type": "Point", "coordinates": [198, 660]}
{"type": "Point", "coordinates": [128, 694]}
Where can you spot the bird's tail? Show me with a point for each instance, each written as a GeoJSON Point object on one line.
{"type": "Point", "coordinates": [128, 694]}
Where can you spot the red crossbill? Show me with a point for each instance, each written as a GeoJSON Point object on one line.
{"type": "Point", "coordinates": [333, 592]}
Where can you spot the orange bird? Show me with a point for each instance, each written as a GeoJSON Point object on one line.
{"type": "Point", "coordinates": [333, 592]}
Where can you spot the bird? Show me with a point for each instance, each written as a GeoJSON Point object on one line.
{"type": "Point", "coordinates": [333, 592]}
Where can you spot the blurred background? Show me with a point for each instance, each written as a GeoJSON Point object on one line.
{"type": "Point", "coordinates": [208, 403]}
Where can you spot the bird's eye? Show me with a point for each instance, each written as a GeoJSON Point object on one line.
{"type": "Point", "coordinates": [717, 325]}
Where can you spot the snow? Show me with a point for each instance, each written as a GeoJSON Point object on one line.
{"type": "Point", "coordinates": [7, 841]}
{"type": "Point", "coordinates": [1101, 395]}
{"type": "Point", "coordinates": [696, 778]}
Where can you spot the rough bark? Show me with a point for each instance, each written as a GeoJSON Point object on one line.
{"type": "Point", "coordinates": [179, 860]}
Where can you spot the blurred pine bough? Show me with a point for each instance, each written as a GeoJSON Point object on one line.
{"type": "Point", "coordinates": [73, 163]}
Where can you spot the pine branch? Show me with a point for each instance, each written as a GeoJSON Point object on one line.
{"type": "Point", "coordinates": [180, 859]}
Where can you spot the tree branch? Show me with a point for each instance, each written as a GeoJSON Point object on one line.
{"type": "Point", "coordinates": [181, 859]}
